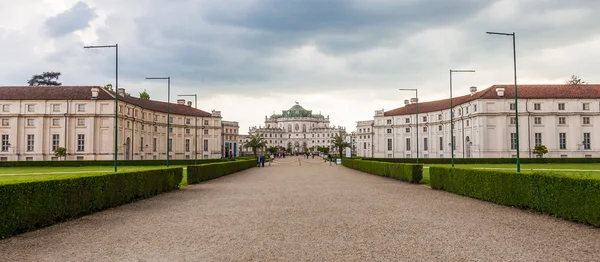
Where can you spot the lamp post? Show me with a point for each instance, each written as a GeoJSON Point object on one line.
{"type": "Point", "coordinates": [417, 98]}
{"type": "Point", "coordinates": [168, 78]}
{"type": "Point", "coordinates": [116, 46]}
{"type": "Point", "coordinates": [452, 112]}
{"type": "Point", "coordinates": [195, 128]}
{"type": "Point", "coordinates": [516, 94]}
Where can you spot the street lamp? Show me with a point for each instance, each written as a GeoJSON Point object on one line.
{"type": "Point", "coordinates": [168, 78]}
{"type": "Point", "coordinates": [195, 128]}
{"type": "Point", "coordinates": [516, 94]}
{"type": "Point", "coordinates": [116, 46]}
{"type": "Point", "coordinates": [417, 98]}
{"type": "Point", "coordinates": [452, 112]}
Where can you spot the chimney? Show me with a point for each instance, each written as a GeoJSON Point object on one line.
{"type": "Point", "coordinates": [181, 101]}
{"type": "Point", "coordinates": [95, 92]}
{"type": "Point", "coordinates": [500, 91]}
{"type": "Point", "coordinates": [190, 103]}
{"type": "Point", "coordinates": [414, 100]}
{"type": "Point", "coordinates": [473, 90]}
{"type": "Point", "coordinates": [406, 102]}
{"type": "Point", "coordinates": [121, 91]}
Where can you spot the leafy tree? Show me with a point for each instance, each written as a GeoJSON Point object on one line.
{"type": "Point", "coordinates": [339, 143]}
{"type": "Point", "coordinates": [45, 79]}
{"type": "Point", "coordinates": [145, 95]}
{"type": "Point", "coordinates": [273, 150]}
{"type": "Point", "coordinates": [60, 152]}
{"type": "Point", "coordinates": [289, 147]}
{"type": "Point", "coordinates": [540, 150]}
{"type": "Point", "coordinates": [575, 80]}
{"type": "Point", "coordinates": [256, 142]}
{"type": "Point", "coordinates": [108, 87]}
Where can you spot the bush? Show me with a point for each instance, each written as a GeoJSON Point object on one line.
{"type": "Point", "coordinates": [489, 160]}
{"type": "Point", "coordinates": [405, 172]}
{"type": "Point", "coordinates": [571, 198]}
{"type": "Point", "coordinates": [58, 163]}
{"type": "Point", "coordinates": [200, 173]}
{"type": "Point", "coordinates": [31, 205]}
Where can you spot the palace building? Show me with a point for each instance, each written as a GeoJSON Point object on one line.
{"type": "Point", "coordinates": [561, 117]}
{"type": "Point", "coordinates": [298, 129]}
{"type": "Point", "coordinates": [36, 120]}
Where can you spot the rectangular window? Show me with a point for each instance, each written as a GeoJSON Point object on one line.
{"type": "Point", "coordinates": [562, 120]}
{"type": "Point", "coordinates": [440, 117]}
{"type": "Point", "coordinates": [154, 144]}
{"type": "Point", "coordinates": [389, 144]}
{"type": "Point", "coordinates": [205, 122]}
{"type": "Point", "coordinates": [407, 120]}
{"type": "Point", "coordinates": [538, 139]}
{"type": "Point", "coordinates": [467, 110]}
{"type": "Point", "coordinates": [81, 122]}
{"type": "Point", "coordinates": [513, 141]}
{"type": "Point", "coordinates": [187, 145]}
{"type": "Point", "coordinates": [424, 129]}
{"type": "Point", "coordinates": [55, 141]}
{"type": "Point", "coordinates": [408, 144]}
{"type": "Point", "coordinates": [513, 120]}
{"type": "Point", "coordinates": [512, 106]}
{"type": "Point", "coordinates": [155, 118]}
{"type": "Point", "coordinates": [5, 108]}
{"type": "Point", "coordinates": [55, 122]}
{"type": "Point", "coordinates": [56, 108]}
{"type": "Point", "coordinates": [425, 144]}
{"type": "Point", "coordinates": [187, 121]}
{"type": "Point", "coordinates": [205, 145]}
{"type": "Point", "coordinates": [537, 120]}
{"type": "Point", "coordinates": [141, 144]}
{"type": "Point", "coordinates": [586, 141]}
{"type": "Point", "coordinates": [562, 140]}
{"type": "Point", "coordinates": [474, 108]}
{"type": "Point", "coordinates": [171, 120]}
{"type": "Point", "coordinates": [30, 108]}
{"type": "Point", "coordinates": [79, 157]}
{"type": "Point", "coordinates": [586, 120]}
{"type": "Point", "coordinates": [206, 131]}
{"type": "Point", "coordinates": [408, 130]}
{"type": "Point", "coordinates": [170, 145]}
{"type": "Point", "coordinates": [5, 143]}
{"type": "Point", "coordinates": [80, 143]}
{"type": "Point", "coordinates": [187, 131]}
{"type": "Point", "coordinates": [30, 122]}
{"type": "Point", "coordinates": [561, 106]}
{"type": "Point", "coordinates": [143, 127]}
{"type": "Point", "coordinates": [537, 106]}
{"type": "Point", "coordinates": [81, 108]}
{"type": "Point", "coordinates": [586, 106]}
{"type": "Point", "coordinates": [424, 119]}
{"type": "Point", "coordinates": [440, 128]}
{"type": "Point", "coordinates": [155, 129]}
{"type": "Point", "coordinates": [5, 122]}
{"type": "Point", "coordinates": [365, 145]}
{"type": "Point", "coordinates": [441, 143]}
{"type": "Point", "coordinates": [30, 142]}
{"type": "Point", "coordinates": [389, 130]}
{"type": "Point", "coordinates": [170, 130]}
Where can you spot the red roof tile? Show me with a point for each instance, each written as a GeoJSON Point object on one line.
{"type": "Point", "coordinates": [588, 91]}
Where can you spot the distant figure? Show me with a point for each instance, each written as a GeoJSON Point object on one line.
{"type": "Point", "coordinates": [262, 160]}
{"type": "Point", "coordinates": [312, 155]}
{"type": "Point", "coordinates": [258, 161]}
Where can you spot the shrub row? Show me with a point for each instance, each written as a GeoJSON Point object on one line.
{"type": "Point", "coordinates": [571, 198]}
{"type": "Point", "coordinates": [405, 172]}
{"type": "Point", "coordinates": [490, 160]}
{"type": "Point", "coordinates": [70, 163]}
{"type": "Point", "coordinates": [204, 172]}
{"type": "Point", "coordinates": [31, 205]}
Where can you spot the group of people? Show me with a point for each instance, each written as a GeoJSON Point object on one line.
{"type": "Point", "coordinates": [260, 161]}
{"type": "Point", "coordinates": [307, 155]}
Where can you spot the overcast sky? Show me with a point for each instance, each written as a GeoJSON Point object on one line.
{"type": "Point", "coordinates": [345, 59]}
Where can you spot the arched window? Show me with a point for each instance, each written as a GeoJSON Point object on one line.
{"type": "Point", "coordinates": [304, 128]}
{"type": "Point", "coordinates": [289, 127]}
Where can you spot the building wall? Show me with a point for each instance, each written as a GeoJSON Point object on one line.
{"type": "Point", "coordinates": [364, 138]}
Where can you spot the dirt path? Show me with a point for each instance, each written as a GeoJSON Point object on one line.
{"type": "Point", "coordinates": [311, 212]}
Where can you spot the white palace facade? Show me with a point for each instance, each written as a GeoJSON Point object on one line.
{"type": "Point", "coordinates": [561, 117]}
{"type": "Point", "coordinates": [36, 120]}
{"type": "Point", "coordinates": [297, 129]}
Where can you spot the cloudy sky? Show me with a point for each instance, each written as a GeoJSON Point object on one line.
{"type": "Point", "coordinates": [344, 58]}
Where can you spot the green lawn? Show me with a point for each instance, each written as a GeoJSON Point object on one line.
{"type": "Point", "coordinates": [582, 170]}
{"type": "Point", "coordinates": [9, 175]}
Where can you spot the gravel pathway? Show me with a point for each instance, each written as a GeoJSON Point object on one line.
{"type": "Point", "coordinates": [312, 212]}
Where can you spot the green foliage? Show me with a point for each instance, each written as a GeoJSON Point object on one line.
{"type": "Point", "coordinates": [568, 197]}
{"type": "Point", "coordinates": [145, 95]}
{"type": "Point", "coordinates": [175, 162]}
{"type": "Point", "coordinates": [273, 150]}
{"type": "Point", "coordinates": [60, 152]}
{"type": "Point", "coordinates": [256, 142]}
{"type": "Point", "coordinates": [339, 143]}
{"type": "Point", "coordinates": [540, 150]}
{"type": "Point", "coordinates": [405, 172]}
{"type": "Point", "coordinates": [490, 160]}
{"type": "Point", "coordinates": [200, 173]}
{"type": "Point", "coordinates": [31, 205]}
{"type": "Point", "coordinates": [108, 87]}
{"type": "Point", "coordinates": [45, 79]}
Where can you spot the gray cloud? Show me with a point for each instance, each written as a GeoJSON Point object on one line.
{"type": "Point", "coordinates": [76, 18]}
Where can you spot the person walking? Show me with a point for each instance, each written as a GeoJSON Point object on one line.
{"type": "Point", "coordinates": [262, 160]}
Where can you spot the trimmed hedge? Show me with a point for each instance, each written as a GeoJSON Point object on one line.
{"type": "Point", "coordinates": [571, 198]}
{"type": "Point", "coordinates": [200, 173]}
{"type": "Point", "coordinates": [71, 163]}
{"type": "Point", "coordinates": [31, 205]}
{"type": "Point", "coordinates": [404, 172]}
{"type": "Point", "coordinates": [489, 160]}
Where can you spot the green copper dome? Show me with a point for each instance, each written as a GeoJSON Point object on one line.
{"type": "Point", "coordinates": [297, 111]}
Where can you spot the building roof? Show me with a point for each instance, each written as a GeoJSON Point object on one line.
{"type": "Point", "coordinates": [85, 93]}
{"type": "Point", "coordinates": [585, 91]}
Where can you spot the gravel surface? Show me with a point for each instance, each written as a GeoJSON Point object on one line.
{"type": "Point", "coordinates": [313, 212]}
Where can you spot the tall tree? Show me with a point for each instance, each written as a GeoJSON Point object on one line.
{"type": "Point", "coordinates": [45, 79]}
{"type": "Point", "coordinates": [256, 142]}
{"type": "Point", "coordinates": [575, 80]}
{"type": "Point", "coordinates": [145, 95]}
{"type": "Point", "coordinates": [339, 142]}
